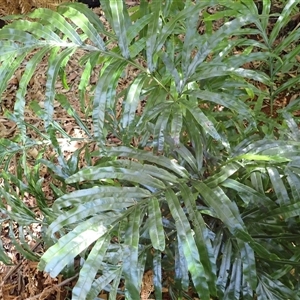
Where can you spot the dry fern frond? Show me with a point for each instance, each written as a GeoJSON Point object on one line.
{"type": "Point", "coordinates": [25, 6]}
{"type": "Point", "coordinates": [10, 7]}
{"type": "Point", "coordinates": [52, 4]}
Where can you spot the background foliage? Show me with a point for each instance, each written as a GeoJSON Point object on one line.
{"type": "Point", "coordinates": [203, 186]}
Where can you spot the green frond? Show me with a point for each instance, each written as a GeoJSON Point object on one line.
{"type": "Point", "coordinates": [198, 185]}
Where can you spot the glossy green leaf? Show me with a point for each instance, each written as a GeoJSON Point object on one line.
{"type": "Point", "coordinates": [248, 194]}
{"type": "Point", "coordinates": [91, 16]}
{"type": "Point", "coordinates": [234, 288]}
{"type": "Point", "coordinates": [222, 99]}
{"type": "Point", "coordinates": [279, 186]}
{"type": "Point", "coordinates": [176, 124]}
{"type": "Point", "coordinates": [19, 211]}
{"type": "Point", "coordinates": [186, 155]}
{"type": "Point", "coordinates": [36, 29]}
{"type": "Point", "coordinates": [19, 108]}
{"type": "Point", "coordinates": [170, 66]}
{"type": "Point", "coordinates": [120, 25]}
{"type": "Point", "coordinates": [181, 267]}
{"type": "Point", "coordinates": [136, 48]}
{"type": "Point", "coordinates": [285, 43]}
{"type": "Point", "coordinates": [202, 120]}
{"type": "Point", "coordinates": [62, 99]}
{"type": "Point", "coordinates": [196, 143]}
{"type": "Point", "coordinates": [105, 97]}
{"type": "Point", "coordinates": [152, 34]}
{"type": "Point", "coordinates": [9, 66]}
{"type": "Point", "coordinates": [131, 245]}
{"type": "Point", "coordinates": [155, 107]}
{"type": "Point", "coordinates": [90, 269]}
{"type": "Point", "coordinates": [268, 288]}
{"type": "Point", "coordinates": [114, 286]}
{"type": "Point", "coordinates": [81, 212]}
{"type": "Point", "coordinates": [248, 267]}
{"type": "Point", "coordinates": [86, 26]}
{"type": "Point", "coordinates": [189, 247]}
{"type": "Point", "coordinates": [190, 32]}
{"type": "Point", "coordinates": [101, 282]}
{"type": "Point", "coordinates": [286, 85]}
{"type": "Point", "coordinates": [282, 20]}
{"type": "Point", "coordinates": [8, 35]}
{"type": "Point", "coordinates": [82, 196]}
{"type": "Point", "coordinates": [259, 157]}
{"type": "Point", "coordinates": [272, 147]}
{"type": "Point", "coordinates": [292, 124]}
{"type": "Point", "coordinates": [209, 43]}
{"type": "Point", "coordinates": [224, 267]}
{"type": "Point", "coordinates": [182, 15]}
{"type": "Point", "coordinates": [97, 173]}
{"type": "Point", "coordinates": [229, 70]}
{"type": "Point", "coordinates": [160, 129]}
{"type": "Point", "coordinates": [55, 61]}
{"type": "Point", "coordinates": [202, 238]}
{"type": "Point", "coordinates": [148, 156]}
{"type": "Point", "coordinates": [223, 174]}
{"type": "Point", "coordinates": [286, 211]}
{"type": "Point", "coordinates": [156, 230]}
{"type": "Point", "coordinates": [71, 244]}
{"type": "Point", "coordinates": [60, 23]}
{"type": "Point", "coordinates": [135, 29]}
{"type": "Point", "coordinates": [228, 212]}
{"type": "Point", "coordinates": [266, 6]}
{"type": "Point", "coordinates": [131, 101]}
{"type": "Point", "coordinates": [294, 182]}
{"type": "Point", "coordinates": [157, 274]}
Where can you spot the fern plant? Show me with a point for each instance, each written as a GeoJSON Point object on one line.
{"type": "Point", "coordinates": [189, 191]}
